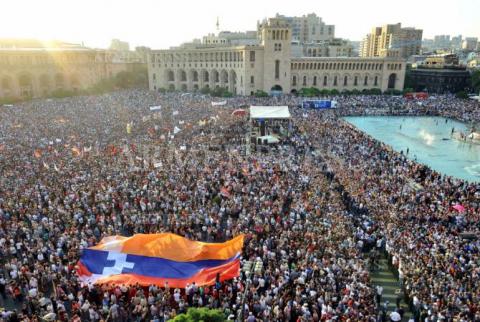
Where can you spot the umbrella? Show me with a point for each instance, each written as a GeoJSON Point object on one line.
{"type": "Point", "coordinates": [239, 112]}
{"type": "Point", "coordinates": [459, 208]}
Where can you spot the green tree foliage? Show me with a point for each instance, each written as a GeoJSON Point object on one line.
{"type": "Point", "coordinates": [393, 92]}
{"type": "Point", "coordinates": [205, 90]}
{"type": "Point", "coordinates": [408, 78]}
{"type": "Point", "coordinates": [355, 92]}
{"type": "Point", "coordinates": [221, 92]}
{"type": "Point", "coordinates": [200, 315]}
{"type": "Point", "coordinates": [309, 92]}
{"type": "Point", "coordinates": [334, 92]}
{"type": "Point", "coordinates": [260, 93]}
{"type": "Point", "coordinates": [461, 94]}
{"type": "Point", "coordinates": [476, 80]}
{"type": "Point", "coordinates": [375, 91]}
{"type": "Point", "coordinates": [9, 100]}
{"type": "Point", "coordinates": [61, 93]}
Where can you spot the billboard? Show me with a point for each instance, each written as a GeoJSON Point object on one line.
{"type": "Point", "coordinates": [319, 104]}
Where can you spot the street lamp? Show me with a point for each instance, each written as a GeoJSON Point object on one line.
{"type": "Point", "coordinates": [247, 269]}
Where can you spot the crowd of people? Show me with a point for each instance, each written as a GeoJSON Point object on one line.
{"type": "Point", "coordinates": [75, 170]}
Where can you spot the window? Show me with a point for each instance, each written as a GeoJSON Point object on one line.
{"type": "Point", "coordinates": [304, 80]}
{"type": "Point", "coordinates": [335, 81]}
{"type": "Point", "coordinates": [375, 82]}
{"type": "Point", "coordinates": [154, 76]}
{"type": "Point", "coordinates": [324, 80]}
{"type": "Point", "coordinates": [314, 80]}
{"type": "Point", "coordinates": [277, 69]}
{"type": "Point", "coordinates": [294, 81]}
{"type": "Point", "coordinates": [252, 55]}
{"type": "Point", "coordinates": [365, 81]}
{"type": "Point", "coordinates": [355, 81]}
{"type": "Point", "coordinates": [345, 81]}
{"type": "Point", "coordinates": [252, 80]}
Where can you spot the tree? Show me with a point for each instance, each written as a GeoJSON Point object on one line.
{"type": "Point", "coordinates": [408, 83]}
{"type": "Point", "coordinates": [393, 92]}
{"type": "Point", "coordinates": [476, 81]}
{"type": "Point", "coordinates": [201, 314]}
{"type": "Point", "coordinates": [205, 90]}
{"type": "Point", "coordinates": [309, 92]}
{"type": "Point", "coordinates": [61, 93]}
{"type": "Point", "coordinates": [9, 100]}
{"type": "Point", "coordinates": [135, 77]}
{"type": "Point", "coordinates": [462, 95]}
{"type": "Point", "coordinates": [260, 93]}
{"type": "Point", "coordinates": [355, 92]}
{"type": "Point", "coordinates": [334, 92]}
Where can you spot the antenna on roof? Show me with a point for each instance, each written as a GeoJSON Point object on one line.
{"type": "Point", "coordinates": [218, 24]}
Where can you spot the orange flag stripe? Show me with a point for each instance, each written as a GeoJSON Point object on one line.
{"type": "Point", "coordinates": [171, 246]}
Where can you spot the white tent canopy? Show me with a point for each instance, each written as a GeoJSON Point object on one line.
{"type": "Point", "coordinates": [269, 112]}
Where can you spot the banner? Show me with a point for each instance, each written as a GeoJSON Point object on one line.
{"type": "Point", "coordinates": [155, 108]}
{"type": "Point", "coordinates": [159, 259]}
{"type": "Point", "coordinates": [219, 103]}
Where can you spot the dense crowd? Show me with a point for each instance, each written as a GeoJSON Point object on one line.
{"type": "Point", "coordinates": [75, 170]}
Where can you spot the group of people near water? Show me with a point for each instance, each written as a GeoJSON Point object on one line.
{"type": "Point", "coordinates": [312, 210]}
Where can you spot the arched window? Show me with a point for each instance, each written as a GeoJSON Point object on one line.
{"type": "Point", "coordinates": [325, 79]}
{"type": "Point", "coordinates": [355, 81]}
{"type": "Point", "coordinates": [314, 80]}
{"type": "Point", "coordinates": [294, 81]}
{"type": "Point", "coordinates": [391, 80]}
{"type": "Point", "coordinates": [183, 76]}
{"type": "Point", "coordinates": [304, 81]}
{"type": "Point", "coordinates": [277, 69]}
{"type": "Point", "coordinates": [345, 81]}
{"type": "Point", "coordinates": [195, 76]}
{"type": "Point", "coordinates": [365, 81]}
{"type": "Point", "coordinates": [170, 76]}
{"type": "Point", "coordinates": [335, 81]}
{"type": "Point", "coordinates": [376, 81]}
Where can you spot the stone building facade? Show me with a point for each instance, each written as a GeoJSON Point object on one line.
{"type": "Point", "coordinates": [268, 66]}
{"type": "Point", "coordinates": [37, 72]}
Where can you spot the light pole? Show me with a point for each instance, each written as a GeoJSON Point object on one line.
{"type": "Point", "coordinates": [246, 268]}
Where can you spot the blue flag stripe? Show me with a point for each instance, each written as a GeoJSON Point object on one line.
{"type": "Point", "coordinates": [96, 261]}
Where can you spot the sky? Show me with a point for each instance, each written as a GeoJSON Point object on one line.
{"type": "Point", "coordinates": [160, 24]}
